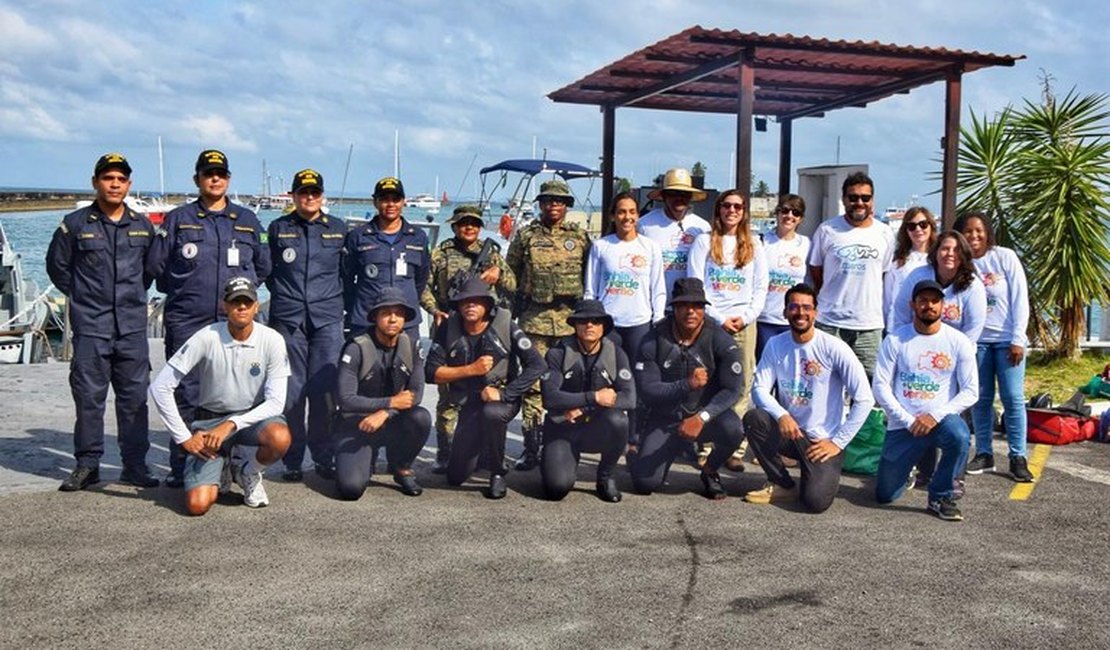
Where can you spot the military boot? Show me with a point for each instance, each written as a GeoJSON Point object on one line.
{"type": "Point", "coordinates": [530, 459]}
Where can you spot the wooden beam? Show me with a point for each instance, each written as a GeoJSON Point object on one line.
{"type": "Point", "coordinates": [746, 89]}
{"type": "Point", "coordinates": [608, 147]}
{"type": "Point", "coordinates": [662, 86]}
{"type": "Point", "coordinates": [951, 146]}
{"type": "Point", "coordinates": [863, 50]}
{"type": "Point", "coordinates": [786, 137]}
{"type": "Point", "coordinates": [878, 92]}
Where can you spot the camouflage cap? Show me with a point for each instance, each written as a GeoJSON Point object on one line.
{"type": "Point", "coordinates": [556, 189]}
{"type": "Point", "coordinates": [466, 212]}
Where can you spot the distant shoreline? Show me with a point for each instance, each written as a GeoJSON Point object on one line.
{"type": "Point", "coordinates": [43, 201]}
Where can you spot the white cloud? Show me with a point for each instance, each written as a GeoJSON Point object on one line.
{"type": "Point", "coordinates": [218, 131]}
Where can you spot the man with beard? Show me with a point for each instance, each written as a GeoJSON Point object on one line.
{"type": "Point", "coordinates": [799, 391]}
{"type": "Point", "coordinates": [690, 377]}
{"type": "Point", "coordinates": [674, 226]}
{"type": "Point", "coordinates": [847, 259]}
{"type": "Point", "coordinates": [925, 377]}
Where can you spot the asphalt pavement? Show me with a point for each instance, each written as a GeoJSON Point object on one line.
{"type": "Point", "coordinates": [117, 566]}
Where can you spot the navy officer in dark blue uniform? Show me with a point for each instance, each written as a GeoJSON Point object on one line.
{"type": "Point", "coordinates": [201, 246]}
{"type": "Point", "coordinates": [306, 308]}
{"type": "Point", "coordinates": [587, 393]}
{"type": "Point", "coordinates": [99, 259]}
{"type": "Point", "coordinates": [688, 374]}
{"type": "Point", "coordinates": [386, 251]}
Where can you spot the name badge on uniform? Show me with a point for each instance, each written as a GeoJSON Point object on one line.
{"type": "Point", "coordinates": [233, 256]}
{"type": "Point", "coordinates": [401, 269]}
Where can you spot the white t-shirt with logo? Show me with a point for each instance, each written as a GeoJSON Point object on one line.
{"type": "Point", "coordinates": [731, 291]}
{"type": "Point", "coordinates": [965, 310]}
{"type": "Point", "coordinates": [853, 262]}
{"type": "Point", "coordinates": [786, 267]}
{"type": "Point", "coordinates": [1007, 297]}
{"type": "Point", "coordinates": [893, 281]}
{"type": "Point", "coordinates": [925, 373]}
{"type": "Point", "coordinates": [810, 381]}
{"type": "Point", "coordinates": [627, 277]}
{"type": "Point", "coordinates": [674, 238]}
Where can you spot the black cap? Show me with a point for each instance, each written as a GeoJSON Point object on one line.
{"type": "Point", "coordinates": [391, 297]}
{"type": "Point", "coordinates": [389, 185]}
{"type": "Point", "coordinates": [238, 288]}
{"type": "Point", "coordinates": [688, 290]}
{"type": "Point", "coordinates": [210, 159]}
{"type": "Point", "coordinates": [587, 309]}
{"type": "Point", "coordinates": [472, 288]}
{"type": "Point", "coordinates": [307, 178]}
{"type": "Point", "coordinates": [112, 161]}
{"type": "Point", "coordinates": [927, 285]}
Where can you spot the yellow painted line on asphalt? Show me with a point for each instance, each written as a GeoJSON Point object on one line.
{"type": "Point", "coordinates": [1037, 460]}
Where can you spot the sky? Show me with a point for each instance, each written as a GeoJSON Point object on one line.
{"type": "Point", "coordinates": [464, 84]}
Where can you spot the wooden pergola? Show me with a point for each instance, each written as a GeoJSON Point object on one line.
{"type": "Point", "coordinates": [783, 77]}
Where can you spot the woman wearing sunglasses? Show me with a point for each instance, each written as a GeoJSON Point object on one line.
{"type": "Point", "coordinates": [729, 261]}
{"type": "Point", "coordinates": [915, 238]}
{"type": "Point", "coordinates": [786, 251]}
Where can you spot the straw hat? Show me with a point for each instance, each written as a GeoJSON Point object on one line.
{"type": "Point", "coordinates": [678, 180]}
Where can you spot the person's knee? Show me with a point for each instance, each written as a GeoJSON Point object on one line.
{"type": "Point", "coordinates": [348, 488]}
{"type": "Point", "coordinates": [276, 437]}
{"type": "Point", "coordinates": [817, 502]}
{"type": "Point", "coordinates": [198, 501]}
{"type": "Point", "coordinates": [421, 419]}
{"type": "Point", "coordinates": [644, 480]}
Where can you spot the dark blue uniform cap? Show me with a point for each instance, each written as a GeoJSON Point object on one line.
{"type": "Point", "coordinates": [210, 159]}
{"type": "Point", "coordinates": [307, 178]}
{"type": "Point", "coordinates": [112, 161]}
{"type": "Point", "coordinates": [239, 288]}
{"type": "Point", "coordinates": [389, 185]}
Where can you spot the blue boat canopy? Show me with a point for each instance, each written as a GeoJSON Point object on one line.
{"type": "Point", "coordinates": [533, 167]}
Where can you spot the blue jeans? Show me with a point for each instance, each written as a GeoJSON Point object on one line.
{"type": "Point", "coordinates": [901, 449]}
{"type": "Point", "coordinates": [994, 362]}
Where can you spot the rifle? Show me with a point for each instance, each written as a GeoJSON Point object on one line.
{"type": "Point", "coordinates": [478, 265]}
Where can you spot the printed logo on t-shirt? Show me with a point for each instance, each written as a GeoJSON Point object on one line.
{"type": "Point", "coordinates": [854, 258]}
{"type": "Point", "coordinates": [724, 279]}
{"type": "Point", "coordinates": [675, 260]}
{"type": "Point", "coordinates": [990, 279]}
{"type": "Point", "coordinates": [625, 282]}
{"type": "Point", "coordinates": [923, 384]}
{"type": "Point", "coordinates": [951, 313]}
{"type": "Point", "coordinates": [799, 392]}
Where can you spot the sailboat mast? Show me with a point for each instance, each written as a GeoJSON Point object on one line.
{"type": "Point", "coordinates": [161, 171]}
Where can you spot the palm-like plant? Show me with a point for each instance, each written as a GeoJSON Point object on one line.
{"type": "Point", "coordinates": [1042, 172]}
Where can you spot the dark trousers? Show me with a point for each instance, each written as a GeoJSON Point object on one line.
{"type": "Point", "coordinates": [661, 444]}
{"type": "Point", "coordinates": [820, 481]}
{"type": "Point", "coordinates": [124, 363]}
{"type": "Point", "coordinates": [763, 333]}
{"type": "Point", "coordinates": [480, 433]}
{"type": "Point", "coordinates": [187, 393]}
{"type": "Point", "coordinates": [403, 437]}
{"type": "Point", "coordinates": [313, 355]}
{"type": "Point", "coordinates": [630, 343]}
{"type": "Point", "coordinates": [606, 432]}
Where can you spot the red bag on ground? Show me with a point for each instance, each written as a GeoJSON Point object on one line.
{"type": "Point", "coordinates": [1050, 427]}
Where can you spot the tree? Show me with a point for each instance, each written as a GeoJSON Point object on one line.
{"type": "Point", "coordinates": [762, 189]}
{"type": "Point", "coordinates": [1042, 172]}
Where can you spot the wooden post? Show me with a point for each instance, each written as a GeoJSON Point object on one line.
{"type": "Point", "coordinates": [608, 144]}
{"type": "Point", "coordinates": [744, 124]}
{"type": "Point", "coordinates": [786, 132]}
{"type": "Point", "coordinates": [951, 146]}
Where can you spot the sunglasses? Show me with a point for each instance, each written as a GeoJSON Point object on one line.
{"type": "Point", "coordinates": [917, 225]}
{"type": "Point", "coordinates": [859, 198]}
{"type": "Point", "coordinates": [312, 192]}
{"type": "Point", "coordinates": [788, 211]}
{"type": "Point", "coordinates": [590, 321]}
{"type": "Point", "coordinates": [675, 194]}
{"type": "Point", "coordinates": [553, 200]}
{"type": "Point", "coordinates": [732, 205]}
{"type": "Point", "coordinates": [216, 172]}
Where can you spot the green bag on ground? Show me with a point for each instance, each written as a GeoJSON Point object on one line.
{"type": "Point", "coordinates": [862, 454]}
{"type": "Point", "coordinates": [1097, 387]}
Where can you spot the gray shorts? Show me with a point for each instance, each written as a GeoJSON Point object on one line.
{"type": "Point", "coordinates": [201, 471]}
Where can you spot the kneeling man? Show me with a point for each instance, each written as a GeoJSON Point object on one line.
{"type": "Point", "coordinates": [925, 377]}
{"type": "Point", "coordinates": [800, 386]}
{"type": "Point", "coordinates": [379, 390]}
{"type": "Point", "coordinates": [244, 370]}
{"type": "Point", "coordinates": [587, 390]}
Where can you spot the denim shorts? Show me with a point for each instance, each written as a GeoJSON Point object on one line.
{"type": "Point", "coordinates": [202, 471]}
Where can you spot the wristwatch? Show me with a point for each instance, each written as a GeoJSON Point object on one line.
{"type": "Point", "coordinates": [704, 415]}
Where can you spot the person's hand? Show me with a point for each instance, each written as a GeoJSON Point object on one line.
{"type": "Point", "coordinates": [733, 325]}
{"type": "Point", "coordinates": [480, 366]}
{"type": "Point", "coordinates": [922, 425]}
{"type": "Point", "coordinates": [440, 316]}
{"type": "Point", "coordinates": [491, 275]}
{"type": "Point", "coordinates": [215, 436]}
{"type": "Point", "coordinates": [788, 428]}
{"type": "Point", "coordinates": [698, 379]}
{"type": "Point", "coordinates": [402, 401]}
{"type": "Point", "coordinates": [196, 446]}
{"type": "Point", "coordinates": [606, 397]}
{"type": "Point", "coordinates": [690, 428]}
{"type": "Point", "coordinates": [373, 422]}
{"type": "Point", "coordinates": [821, 451]}
{"type": "Point", "coordinates": [1016, 354]}
{"type": "Point", "coordinates": [573, 414]}
{"type": "Point", "coordinates": [491, 394]}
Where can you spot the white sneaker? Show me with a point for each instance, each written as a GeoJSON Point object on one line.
{"type": "Point", "coordinates": [254, 494]}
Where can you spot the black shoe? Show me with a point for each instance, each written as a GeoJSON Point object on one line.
{"type": "Point", "coordinates": [713, 488]}
{"type": "Point", "coordinates": [138, 476]}
{"type": "Point", "coordinates": [946, 509]}
{"type": "Point", "coordinates": [326, 472]}
{"type": "Point", "coordinates": [175, 481]}
{"type": "Point", "coordinates": [528, 461]}
{"type": "Point", "coordinates": [81, 478]}
{"type": "Point", "coordinates": [981, 463]}
{"type": "Point", "coordinates": [408, 484]}
{"type": "Point", "coordinates": [1019, 469]}
{"type": "Point", "coordinates": [443, 456]}
{"type": "Point", "coordinates": [607, 490]}
{"type": "Point", "coordinates": [292, 476]}
{"type": "Point", "coordinates": [497, 487]}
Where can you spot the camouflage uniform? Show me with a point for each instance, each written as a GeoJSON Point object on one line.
{"type": "Point", "coordinates": [449, 259]}
{"type": "Point", "coordinates": [549, 264]}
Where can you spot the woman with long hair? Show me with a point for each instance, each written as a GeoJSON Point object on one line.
{"type": "Point", "coordinates": [729, 261]}
{"type": "Point", "coordinates": [786, 252]}
{"type": "Point", "coordinates": [625, 272]}
{"type": "Point", "coordinates": [912, 243]}
{"type": "Point", "coordinates": [1001, 347]}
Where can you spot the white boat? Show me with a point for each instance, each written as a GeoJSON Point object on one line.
{"type": "Point", "coordinates": [22, 311]}
{"type": "Point", "coordinates": [153, 208]}
{"type": "Point", "coordinates": [424, 202]}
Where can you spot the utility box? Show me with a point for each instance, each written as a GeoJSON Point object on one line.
{"type": "Point", "coordinates": [820, 187]}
